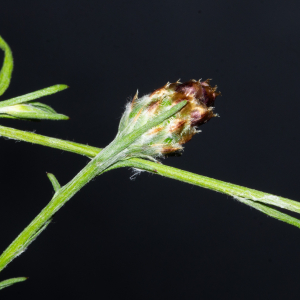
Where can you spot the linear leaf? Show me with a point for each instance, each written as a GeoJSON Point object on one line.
{"type": "Point", "coordinates": [34, 95]}
{"type": "Point", "coordinates": [7, 67]}
{"type": "Point", "coordinates": [271, 212]}
{"type": "Point", "coordinates": [9, 282]}
{"type": "Point", "coordinates": [54, 181]}
{"type": "Point", "coordinates": [32, 111]}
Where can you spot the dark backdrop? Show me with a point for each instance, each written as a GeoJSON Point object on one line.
{"type": "Point", "coordinates": [155, 238]}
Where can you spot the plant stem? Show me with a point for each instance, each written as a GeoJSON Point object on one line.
{"type": "Point", "coordinates": [256, 199]}
{"type": "Point", "coordinates": [48, 141]}
{"type": "Point", "coordinates": [213, 184]}
{"type": "Point", "coordinates": [60, 198]}
{"type": "Point", "coordinates": [113, 153]}
{"type": "Point", "coordinates": [242, 194]}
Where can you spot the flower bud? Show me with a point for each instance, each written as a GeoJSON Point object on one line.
{"type": "Point", "coordinates": [169, 136]}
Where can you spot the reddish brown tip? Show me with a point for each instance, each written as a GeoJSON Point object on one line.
{"type": "Point", "coordinates": [200, 115]}
{"type": "Point", "coordinates": [202, 91]}
{"type": "Point", "coordinates": [209, 93]}
{"type": "Point", "coordinates": [190, 88]}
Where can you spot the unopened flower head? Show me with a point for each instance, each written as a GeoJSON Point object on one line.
{"type": "Point", "coordinates": [169, 136]}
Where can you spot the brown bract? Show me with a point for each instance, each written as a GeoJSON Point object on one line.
{"type": "Point", "coordinates": [155, 130]}
{"type": "Point", "coordinates": [168, 137]}
{"type": "Point", "coordinates": [177, 125]}
{"type": "Point", "coordinates": [153, 107]}
{"type": "Point", "coordinates": [169, 149]}
{"type": "Point", "coordinates": [209, 93]}
{"type": "Point", "coordinates": [201, 98]}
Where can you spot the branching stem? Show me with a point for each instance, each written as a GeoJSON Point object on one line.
{"type": "Point", "coordinates": [256, 199]}
{"type": "Point", "coordinates": [103, 160]}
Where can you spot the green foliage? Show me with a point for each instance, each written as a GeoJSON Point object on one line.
{"type": "Point", "coordinates": [9, 282]}
{"type": "Point", "coordinates": [125, 151]}
{"type": "Point", "coordinates": [23, 107]}
{"type": "Point", "coordinates": [7, 68]}
{"type": "Point", "coordinates": [54, 181]}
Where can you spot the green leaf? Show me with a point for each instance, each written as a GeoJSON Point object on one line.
{"type": "Point", "coordinates": [34, 95]}
{"type": "Point", "coordinates": [42, 106]}
{"type": "Point", "coordinates": [136, 133]}
{"type": "Point", "coordinates": [270, 211]}
{"type": "Point", "coordinates": [7, 67]}
{"type": "Point", "coordinates": [54, 181]}
{"type": "Point", "coordinates": [8, 116]}
{"type": "Point", "coordinates": [32, 111]}
{"type": "Point", "coordinates": [37, 110]}
{"type": "Point", "coordinates": [9, 282]}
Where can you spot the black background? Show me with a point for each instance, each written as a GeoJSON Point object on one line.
{"type": "Point", "coordinates": [152, 237]}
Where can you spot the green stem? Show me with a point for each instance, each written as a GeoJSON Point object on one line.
{"type": "Point", "coordinates": [114, 152]}
{"type": "Point", "coordinates": [34, 138]}
{"type": "Point", "coordinates": [108, 159]}
{"type": "Point", "coordinates": [214, 184]}
{"type": "Point", "coordinates": [60, 198]}
{"type": "Point", "coordinates": [160, 169]}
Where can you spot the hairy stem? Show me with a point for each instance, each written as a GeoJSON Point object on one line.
{"type": "Point", "coordinates": [116, 151]}
{"type": "Point", "coordinates": [60, 198]}
{"type": "Point", "coordinates": [34, 138]}
{"type": "Point", "coordinates": [245, 195]}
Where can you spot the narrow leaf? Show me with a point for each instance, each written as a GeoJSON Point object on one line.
{"type": "Point", "coordinates": [122, 142]}
{"type": "Point", "coordinates": [34, 110]}
{"type": "Point", "coordinates": [9, 282]}
{"type": "Point", "coordinates": [42, 106]}
{"type": "Point", "coordinates": [54, 181]}
{"type": "Point", "coordinates": [132, 136]}
{"type": "Point", "coordinates": [40, 116]}
{"type": "Point", "coordinates": [270, 212]}
{"type": "Point", "coordinates": [7, 67]}
{"type": "Point", "coordinates": [7, 116]}
{"type": "Point", "coordinates": [34, 95]}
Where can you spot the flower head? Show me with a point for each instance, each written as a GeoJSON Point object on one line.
{"type": "Point", "coordinates": [169, 136]}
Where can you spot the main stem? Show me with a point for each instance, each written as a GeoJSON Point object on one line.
{"type": "Point", "coordinates": [115, 152]}
{"type": "Point", "coordinates": [59, 199]}
{"type": "Point", "coordinates": [159, 169]}
{"type": "Point", "coordinates": [111, 154]}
